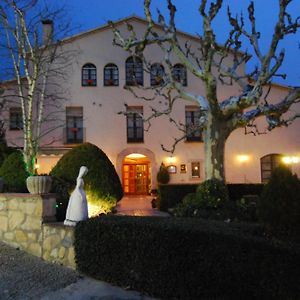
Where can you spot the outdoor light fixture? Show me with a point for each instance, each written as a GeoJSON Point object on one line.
{"type": "Point", "coordinates": [135, 155]}
{"type": "Point", "coordinates": [171, 160]}
{"type": "Point", "coordinates": [243, 158]}
{"type": "Point", "coordinates": [290, 160]}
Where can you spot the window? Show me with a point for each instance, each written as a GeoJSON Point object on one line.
{"type": "Point", "coordinates": [89, 75]}
{"type": "Point", "coordinates": [267, 164]}
{"type": "Point", "coordinates": [157, 73]}
{"type": "Point", "coordinates": [15, 118]}
{"type": "Point", "coordinates": [192, 115]}
{"type": "Point", "coordinates": [195, 168]}
{"type": "Point", "coordinates": [74, 129]}
{"type": "Point", "coordinates": [111, 75]}
{"type": "Point", "coordinates": [134, 71]}
{"type": "Point", "coordinates": [135, 125]}
{"type": "Point", "coordinates": [179, 74]}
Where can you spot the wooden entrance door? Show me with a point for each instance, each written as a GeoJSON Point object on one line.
{"type": "Point", "coordinates": [136, 179]}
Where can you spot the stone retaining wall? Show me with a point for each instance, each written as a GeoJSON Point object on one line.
{"type": "Point", "coordinates": [25, 223]}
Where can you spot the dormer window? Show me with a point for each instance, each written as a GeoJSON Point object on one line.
{"type": "Point", "coordinates": [89, 75]}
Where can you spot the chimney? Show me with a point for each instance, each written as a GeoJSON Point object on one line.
{"type": "Point", "coordinates": [47, 32]}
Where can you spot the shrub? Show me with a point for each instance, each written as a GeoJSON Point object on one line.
{"type": "Point", "coordinates": [163, 175]}
{"type": "Point", "coordinates": [212, 193]}
{"type": "Point", "coordinates": [279, 205]}
{"type": "Point", "coordinates": [101, 184]}
{"type": "Point", "coordinates": [13, 171]}
{"type": "Point", "coordinates": [176, 258]}
{"type": "Point", "coordinates": [5, 152]}
{"type": "Point", "coordinates": [209, 201]}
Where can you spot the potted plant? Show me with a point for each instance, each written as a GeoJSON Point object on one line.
{"type": "Point", "coordinates": [38, 184]}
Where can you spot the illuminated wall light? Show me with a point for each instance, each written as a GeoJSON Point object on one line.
{"type": "Point", "coordinates": [290, 160]}
{"type": "Point", "coordinates": [243, 158]}
{"type": "Point", "coordinates": [135, 155]}
{"type": "Point", "coordinates": [171, 160]}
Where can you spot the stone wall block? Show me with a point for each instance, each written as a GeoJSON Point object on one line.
{"type": "Point", "coordinates": [32, 237]}
{"type": "Point", "coordinates": [31, 207]}
{"type": "Point", "coordinates": [32, 223]}
{"type": "Point", "coordinates": [9, 236]}
{"type": "Point", "coordinates": [51, 242]}
{"type": "Point", "coordinates": [61, 252]}
{"type": "Point", "coordinates": [15, 219]}
{"type": "Point", "coordinates": [21, 236]}
{"type": "Point", "coordinates": [54, 253]}
{"type": "Point", "coordinates": [4, 223]}
{"type": "Point", "coordinates": [13, 204]}
{"type": "Point", "coordinates": [3, 204]}
{"type": "Point", "coordinates": [35, 249]}
{"type": "Point", "coordinates": [71, 257]}
{"type": "Point", "coordinates": [67, 242]}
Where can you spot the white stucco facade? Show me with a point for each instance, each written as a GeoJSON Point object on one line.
{"type": "Point", "coordinates": [106, 128]}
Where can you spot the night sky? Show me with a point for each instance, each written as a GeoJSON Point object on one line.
{"type": "Point", "coordinates": [88, 14]}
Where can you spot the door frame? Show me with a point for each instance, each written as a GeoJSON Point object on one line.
{"type": "Point", "coordinates": [154, 167]}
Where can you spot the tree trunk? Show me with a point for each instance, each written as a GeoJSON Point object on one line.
{"type": "Point", "coordinates": [29, 158]}
{"type": "Point", "coordinates": [215, 136]}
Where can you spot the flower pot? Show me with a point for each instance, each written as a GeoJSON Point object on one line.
{"type": "Point", "coordinates": [38, 184]}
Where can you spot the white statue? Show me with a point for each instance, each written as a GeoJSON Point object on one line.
{"type": "Point", "coordinates": [77, 208]}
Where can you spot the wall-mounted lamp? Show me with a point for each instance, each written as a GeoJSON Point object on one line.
{"type": "Point", "coordinates": [243, 158]}
{"type": "Point", "coordinates": [290, 160]}
{"type": "Point", "coordinates": [171, 160]}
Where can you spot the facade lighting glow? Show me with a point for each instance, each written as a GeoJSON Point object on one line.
{"type": "Point", "coordinates": [135, 155]}
{"type": "Point", "coordinates": [171, 160]}
{"type": "Point", "coordinates": [290, 160]}
{"type": "Point", "coordinates": [243, 158]}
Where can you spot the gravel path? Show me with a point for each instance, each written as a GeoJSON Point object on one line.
{"type": "Point", "coordinates": [23, 276]}
{"type": "Point", "coordinates": [26, 277]}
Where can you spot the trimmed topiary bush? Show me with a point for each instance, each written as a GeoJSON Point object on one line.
{"type": "Point", "coordinates": [279, 205]}
{"type": "Point", "coordinates": [163, 175]}
{"type": "Point", "coordinates": [13, 171]}
{"type": "Point", "coordinates": [101, 184]}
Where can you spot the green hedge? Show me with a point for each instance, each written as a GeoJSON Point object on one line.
{"type": "Point", "coordinates": [172, 194]}
{"type": "Point", "coordinates": [186, 258]}
{"type": "Point", "coordinates": [238, 190]}
{"type": "Point", "coordinates": [169, 195]}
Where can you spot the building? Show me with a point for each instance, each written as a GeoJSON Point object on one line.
{"type": "Point", "coordinates": [94, 112]}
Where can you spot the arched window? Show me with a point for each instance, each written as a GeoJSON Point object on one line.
{"type": "Point", "coordinates": [179, 74]}
{"type": "Point", "coordinates": [268, 163]}
{"type": "Point", "coordinates": [111, 75]}
{"type": "Point", "coordinates": [134, 71]}
{"type": "Point", "coordinates": [89, 75]}
{"type": "Point", "coordinates": [157, 73]}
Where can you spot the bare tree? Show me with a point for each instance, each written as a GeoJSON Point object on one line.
{"type": "Point", "coordinates": [215, 65]}
{"type": "Point", "coordinates": [38, 65]}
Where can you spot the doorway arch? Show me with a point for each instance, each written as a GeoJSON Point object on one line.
{"type": "Point", "coordinates": [144, 162]}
